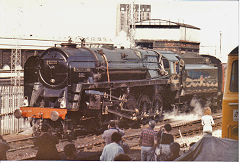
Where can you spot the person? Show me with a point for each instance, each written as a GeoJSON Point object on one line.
{"type": "Point", "coordinates": [122, 157]}
{"type": "Point", "coordinates": [46, 144]}
{"type": "Point", "coordinates": [147, 142]}
{"type": "Point", "coordinates": [110, 151]}
{"type": "Point", "coordinates": [191, 145]}
{"type": "Point", "coordinates": [175, 149]}
{"type": "Point", "coordinates": [111, 129]}
{"type": "Point", "coordinates": [4, 147]}
{"type": "Point", "coordinates": [207, 121]}
{"type": "Point", "coordinates": [164, 135]}
{"type": "Point", "coordinates": [70, 152]}
{"type": "Point", "coordinates": [164, 140]}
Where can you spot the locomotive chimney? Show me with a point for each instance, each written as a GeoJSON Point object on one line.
{"type": "Point", "coordinates": [69, 45]}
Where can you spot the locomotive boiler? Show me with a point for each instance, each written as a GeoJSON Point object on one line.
{"type": "Point", "coordinates": [71, 87]}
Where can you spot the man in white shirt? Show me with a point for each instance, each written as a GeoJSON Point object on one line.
{"type": "Point", "coordinates": [113, 149]}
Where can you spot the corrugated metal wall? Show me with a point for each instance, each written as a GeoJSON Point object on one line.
{"type": "Point", "coordinates": [11, 98]}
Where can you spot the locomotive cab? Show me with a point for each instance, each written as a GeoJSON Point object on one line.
{"type": "Point", "coordinates": [174, 68]}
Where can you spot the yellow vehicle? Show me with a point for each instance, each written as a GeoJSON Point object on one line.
{"type": "Point", "coordinates": [230, 98]}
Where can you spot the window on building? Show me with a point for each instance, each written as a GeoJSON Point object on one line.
{"type": "Point", "coordinates": [147, 16]}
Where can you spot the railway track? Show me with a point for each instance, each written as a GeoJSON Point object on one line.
{"type": "Point", "coordinates": [178, 129]}
{"type": "Point", "coordinates": [23, 149]}
{"type": "Point", "coordinates": [194, 127]}
{"type": "Point", "coordinates": [184, 129]}
{"type": "Point", "coordinates": [26, 150]}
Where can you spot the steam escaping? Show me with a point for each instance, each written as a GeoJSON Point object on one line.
{"type": "Point", "coordinates": [194, 114]}
{"type": "Point", "coordinates": [197, 108]}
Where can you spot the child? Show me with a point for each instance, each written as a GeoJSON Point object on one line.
{"type": "Point", "coordinates": [207, 121]}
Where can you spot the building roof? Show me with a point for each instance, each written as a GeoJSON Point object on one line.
{"type": "Point", "coordinates": [160, 23]}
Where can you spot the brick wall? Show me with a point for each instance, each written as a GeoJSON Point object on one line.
{"type": "Point", "coordinates": [5, 56]}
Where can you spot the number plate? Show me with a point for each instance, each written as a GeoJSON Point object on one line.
{"type": "Point", "coordinates": [235, 115]}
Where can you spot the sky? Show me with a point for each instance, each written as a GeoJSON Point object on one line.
{"type": "Point", "coordinates": [54, 19]}
{"type": "Point", "coordinates": [212, 17]}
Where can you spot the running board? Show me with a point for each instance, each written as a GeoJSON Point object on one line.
{"type": "Point", "coordinates": [122, 115]}
{"type": "Point", "coordinates": [127, 110]}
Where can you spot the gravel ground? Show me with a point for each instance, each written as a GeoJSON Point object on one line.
{"type": "Point", "coordinates": [195, 138]}
{"type": "Point", "coordinates": [134, 153]}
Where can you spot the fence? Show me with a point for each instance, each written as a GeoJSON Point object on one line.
{"type": "Point", "coordinates": [11, 98]}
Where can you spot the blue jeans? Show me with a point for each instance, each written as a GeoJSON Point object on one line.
{"type": "Point", "coordinates": [146, 153]}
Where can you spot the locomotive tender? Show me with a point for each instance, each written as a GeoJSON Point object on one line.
{"type": "Point", "coordinates": [70, 87]}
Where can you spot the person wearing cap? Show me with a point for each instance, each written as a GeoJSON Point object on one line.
{"type": "Point", "coordinates": [148, 141]}
{"type": "Point", "coordinates": [112, 127]}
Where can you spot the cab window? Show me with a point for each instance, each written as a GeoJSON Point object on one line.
{"type": "Point", "coordinates": [165, 63]}
{"type": "Point", "coordinates": [234, 77]}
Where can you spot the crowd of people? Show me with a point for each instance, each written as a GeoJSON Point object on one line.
{"type": "Point", "coordinates": [155, 145]}
{"type": "Point", "coordinates": [115, 148]}
{"type": "Point", "coordinates": [158, 145]}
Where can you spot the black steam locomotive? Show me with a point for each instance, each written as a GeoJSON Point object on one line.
{"type": "Point", "coordinates": [71, 87]}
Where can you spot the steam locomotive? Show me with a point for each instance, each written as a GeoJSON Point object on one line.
{"type": "Point", "coordinates": [71, 87]}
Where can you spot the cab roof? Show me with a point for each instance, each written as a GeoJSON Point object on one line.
{"type": "Point", "coordinates": [234, 52]}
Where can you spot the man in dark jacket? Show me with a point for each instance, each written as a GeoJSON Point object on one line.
{"type": "Point", "coordinates": [163, 150]}
{"type": "Point", "coordinates": [164, 135]}
{"type": "Point", "coordinates": [46, 144]}
{"type": "Point", "coordinates": [4, 147]}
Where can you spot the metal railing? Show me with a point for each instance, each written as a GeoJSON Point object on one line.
{"type": "Point", "coordinates": [11, 98]}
